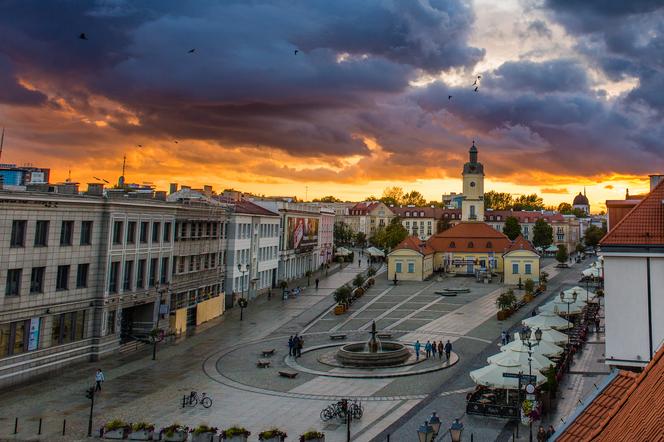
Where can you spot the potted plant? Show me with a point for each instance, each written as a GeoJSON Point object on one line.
{"type": "Point", "coordinates": [175, 433]}
{"type": "Point", "coordinates": [272, 435]}
{"type": "Point", "coordinates": [141, 431]}
{"type": "Point", "coordinates": [116, 429]}
{"type": "Point", "coordinates": [339, 309]}
{"type": "Point", "coordinates": [312, 436]}
{"type": "Point", "coordinates": [529, 286]}
{"type": "Point", "coordinates": [235, 434]}
{"type": "Point", "coordinates": [358, 280]}
{"type": "Point", "coordinates": [371, 272]}
{"type": "Point", "coordinates": [203, 433]}
{"type": "Point", "coordinates": [358, 292]}
{"type": "Point", "coordinates": [505, 303]}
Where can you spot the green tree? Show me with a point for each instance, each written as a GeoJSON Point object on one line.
{"type": "Point", "coordinates": [542, 234]}
{"type": "Point", "coordinates": [593, 235]}
{"type": "Point", "coordinates": [512, 227]}
{"type": "Point", "coordinates": [565, 208]}
{"type": "Point", "coordinates": [561, 255]}
{"type": "Point", "coordinates": [528, 202]}
{"type": "Point", "coordinates": [413, 198]}
{"type": "Point", "coordinates": [579, 248]}
{"type": "Point", "coordinates": [579, 213]}
{"type": "Point", "coordinates": [389, 237]}
{"type": "Point", "coordinates": [497, 200]}
{"type": "Point", "coordinates": [343, 234]}
{"type": "Point", "coordinates": [392, 196]}
{"type": "Point", "coordinates": [327, 199]}
{"type": "Point", "coordinates": [360, 239]}
{"type": "Point", "coordinates": [442, 225]}
{"type": "Point", "coordinates": [529, 286]}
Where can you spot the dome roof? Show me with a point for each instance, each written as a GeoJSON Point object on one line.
{"type": "Point", "coordinates": [580, 200]}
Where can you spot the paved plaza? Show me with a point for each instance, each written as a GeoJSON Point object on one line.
{"type": "Point", "coordinates": [220, 359]}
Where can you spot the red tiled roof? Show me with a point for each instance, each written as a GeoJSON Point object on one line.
{"type": "Point", "coordinates": [470, 237]}
{"type": "Point", "coordinates": [414, 243]}
{"type": "Point", "coordinates": [597, 411]}
{"type": "Point", "coordinates": [639, 416]}
{"type": "Point", "coordinates": [522, 215]}
{"type": "Point", "coordinates": [244, 206]}
{"type": "Point", "coordinates": [363, 208]}
{"type": "Point", "coordinates": [643, 225]}
{"type": "Point", "coordinates": [520, 243]}
{"type": "Point", "coordinates": [421, 212]}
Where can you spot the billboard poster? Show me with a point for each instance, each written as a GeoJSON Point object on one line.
{"type": "Point", "coordinates": [33, 334]}
{"type": "Point", "coordinates": [302, 233]}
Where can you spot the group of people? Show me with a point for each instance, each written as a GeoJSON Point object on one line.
{"type": "Point", "coordinates": [544, 435]}
{"type": "Point", "coordinates": [295, 344]}
{"type": "Point", "coordinates": [431, 348]}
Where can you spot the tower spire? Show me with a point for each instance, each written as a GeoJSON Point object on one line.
{"type": "Point", "coordinates": [2, 141]}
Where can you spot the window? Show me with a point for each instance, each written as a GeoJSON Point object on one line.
{"type": "Point", "coordinates": [472, 212]}
{"type": "Point", "coordinates": [117, 232]}
{"type": "Point", "coordinates": [131, 232]}
{"type": "Point", "coordinates": [152, 280]}
{"type": "Point", "coordinates": [82, 276]}
{"type": "Point", "coordinates": [452, 245]}
{"type": "Point", "coordinates": [398, 267]}
{"type": "Point", "coordinates": [41, 234]}
{"type": "Point", "coordinates": [128, 274]}
{"type": "Point", "coordinates": [18, 233]}
{"type": "Point", "coordinates": [155, 231]}
{"type": "Point", "coordinates": [37, 280]}
{"type": "Point", "coordinates": [86, 233]}
{"type": "Point", "coordinates": [184, 230]}
{"type": "Point", "coordinates": [140, 274]}
{"type": "Point", "coordinates": [13, 287]}
{"type": "Point", "coordinates": [180, 265]}
{"type": "Point", "coordinates": [66, 233]}
{"type": "Point", "coordinates": [208, 229]}
{"type": "Point", "coordinates": [528, 269]}
{"type": "Point", "coordinates": [110, 323]}
{"type": "Point", "coordinates": [560, 236]}
{"type": "Point", "coordinates": [113, 277]}
{"type": "Point", "coordinates": [68, 327]}
{"type": "Point", "coordinates": [167, 232]}
{"type": "Point", "coordinates": [515, 268]}
{"type": "Point", "coordinates": [411, 267]}
{"type": "Point", "coordinates": [144, 232]}
{"type": "Point", "coordinates": [164, 270]}
{"type": "Point", "coordinates": [62, 279]}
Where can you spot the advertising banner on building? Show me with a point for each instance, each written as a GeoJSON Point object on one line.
{"type": "Point", "coordinates": [33, 336]}
{"type": "Point", "coordinates": [302, 233]}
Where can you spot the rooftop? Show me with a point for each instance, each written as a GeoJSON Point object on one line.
{"type": "Point", "coordinates": [470, 237]}
{"type": "Point", "coordinates": [414, 243]}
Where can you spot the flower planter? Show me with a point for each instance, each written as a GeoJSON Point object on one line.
{"type": "Point", "coordinates": [318, 439]}
{"type": "Point", "coordinates": [339, 310]}
{"type": "Point", "coordinates": [237, 438]}
{"type": "Point", "coordinates": [503, 314]}
{"type": "Point", "coordinates": [202, 437]}
{"type": "Point", "coordinates": [120, 433]}
{"type": "Point", "coordinates": [275, 439]}
{"type": "Point", "coordinates": [177, 436]}
{"type": "Point", "coordinates": [141, 435]}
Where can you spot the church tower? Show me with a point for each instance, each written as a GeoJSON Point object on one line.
{"type": "Point", "coordinates": [472, 206]}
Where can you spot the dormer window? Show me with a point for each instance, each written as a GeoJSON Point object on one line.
{"type": "Point", "coordinates": [407, 213]}
{"type": "Point", "coordinates": [489, 245]}
{"type": "Point", "coordinates": [421, 213]}
{"type": "Point", "coordinates": [471, 245]}
{"type": "Point", "coordinates": [452, 245]}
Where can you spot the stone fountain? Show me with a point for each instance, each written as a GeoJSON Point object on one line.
{"type": "Point", "coordinates": [373, 353]}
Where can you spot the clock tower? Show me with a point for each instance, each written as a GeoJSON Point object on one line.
{"type": "Point", "coordinates": [472, 205]}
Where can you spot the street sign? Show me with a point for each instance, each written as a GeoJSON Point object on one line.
{"type": "Point", "coordinates": [511, 375]}
{"type": "Point", "coordinates": [524, 377]}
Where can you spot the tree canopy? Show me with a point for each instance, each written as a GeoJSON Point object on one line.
{"type": "Point", "coordinates": [512, 228]}
{"type": "Point", "coordinates": [565, 208]}
{"type": "Point", "coordinates": [593, 235]}
{"type": "Point", "coordinates": [528, 202]}
{"type": "Point", "coordinates": [327, 199]}
{"type": "Point", "coordinates": [561, 255]}
{"type": "Point", "coordinates": [542, 234]}
{"type": "Point", "coordinates": [343, 234]}
{"type": "Point", "coordinates": [413, 198]}
{"type": "Point", "coordinates": [388, 237]}
{"type": "Point", "coordinates": [497, 200]}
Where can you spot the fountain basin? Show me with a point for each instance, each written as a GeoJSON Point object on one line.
{"type": "Point", "coordinates": [356, 355]}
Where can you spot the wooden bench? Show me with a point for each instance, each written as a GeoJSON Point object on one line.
{"type": "Point", "coordinates": [263, 363]}
{"type": "Point", "coordinates": [267, 353]}
{"type": "Point", "coordinates": [288, 374]}
{"type": "Point", "coordinates": [384, 335]}
{"type": "Point", "coordinates": [337, 337]}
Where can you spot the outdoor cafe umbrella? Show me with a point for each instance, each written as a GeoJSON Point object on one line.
{"type": "Point", "coordinates": [547, 319]}
{"type": "Point", "coordinates": [539, 361]}
{"type": "Point", "coordinates": [373, 251]}
{"type": "Point", "coordinates": [556, 307]}
{"type": "Point", "coordinates": [551, 249]}
{"type": "Point", "coordinates": [492, 374]}
{"type": "Point", "coordinates": [580, 294]}
{"type": "Point", "coordinates": [592, 271]}
{"type": "Point", "coordinates": [342, 251]}
{"type": "Point", "coordinates": [544, 348]}
{"type": "Point", "coordinates": [554, 336]}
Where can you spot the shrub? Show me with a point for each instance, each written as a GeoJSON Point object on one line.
{"type": "Point", "coordinates": [506, 300]}
{"type": "Point", "coordinates": [342, 294]}
{"type": "Point", "coordinates": [529, 285]}
{"type": "Point", "coordinates": [371, 272]}
{"type": "Point", "coordinates": [271, 433]}
{"type": "Point", "coordinates": [142, 426]}
{"type": "Point", "coordinates": [115, 424]}
{"type": "Point", "coordinates": [544, 277]}
{"type": "Point", "coordinates": [235, 431]}
{"type": "Point", "coordinates": [173, 428]}
{"type": "Point", "coordinates": [359, 280]}
{"type": "Point", "coordinates": [310, 435]}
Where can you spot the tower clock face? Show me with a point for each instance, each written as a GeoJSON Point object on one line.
{"type": "Point", "coordinates": [472, 184]}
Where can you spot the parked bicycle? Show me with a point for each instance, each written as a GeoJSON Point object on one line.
{"type": "Point", "coordinates": [337, 409]}
{"type": "Point", "coordinates": [194, 399]}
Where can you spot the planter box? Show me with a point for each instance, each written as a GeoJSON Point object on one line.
{"type": "Point", "coordinates": [202, 437]}
{"type": "Point", "coordinates": [141, 435]}
{"type": "Point", "coordinates": [274, 439]}
{"type": "Point", "coordinates": [178, 436]}
{"type": "Point", "coordinates": [116, 434]}
{"type": "Point", "coordinates": [503, 314]}
{"type": "Point", "coordinates": [339, 310]}
{"type": "Point", "coordinates": [238, 438]}
{"type": "Point", "coordinates": [320, 439]}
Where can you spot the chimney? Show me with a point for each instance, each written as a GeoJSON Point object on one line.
{"type": "Point", "coordinates": [160, 195]}
{"type": "Point", "coordinates": [95, 189]}
{"type": "Point", "coordinates": [173, 187]}
{"type": "Point", "coordinates": [654, 181]}
{"type": "Point", "coordinates": [186, 187]}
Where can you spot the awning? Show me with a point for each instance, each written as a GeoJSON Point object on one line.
{"type": "Point", "coordinates": [373, 251]}
{"type": "Point", "coordinates": [551, 248]}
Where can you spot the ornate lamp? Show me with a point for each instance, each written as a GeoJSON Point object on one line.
{"type": "Point", "coordinates": [455, 431]}
{"type": "Point", "coordinates": [538, 335]}
{"type": "Point", "coordinates": [425, 432]}
{"type": "Point", "coordinates": [434, 421]}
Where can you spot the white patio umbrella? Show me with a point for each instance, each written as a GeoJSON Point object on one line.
{"type": "Point", "coordinates": [544, 348]}
{"type": "Point", "coordinates": [551, 249]}
{"type": "Point", "coordinates": [580, 294]}
{"type": "Point", "coordinates": [342, 251]}
{"type": "Point", "coordinates": [492, 374]}
{"type": "Point", "coordinates": [547, 319]}
{"type": "Point", "coordinates": [554, 336]}
{"type": "Point", "coordinates": [555, 308]}
{"type": "Point", "coordinates": [594, 272]}
{"type": "Point", "coordinates": [539, 362]}
{"type": "Point", "coordinates": [374, 251]}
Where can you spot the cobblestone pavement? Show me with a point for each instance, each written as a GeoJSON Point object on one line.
{"type": "Point", "coordinates": [220, 359]}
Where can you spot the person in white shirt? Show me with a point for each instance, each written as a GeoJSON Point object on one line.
{"type": "Point", "coordinates": [99, 379]}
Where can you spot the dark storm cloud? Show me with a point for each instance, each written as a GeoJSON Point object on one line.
{"type": "Point", "coordinates": [540, 28]}
{"type": "Point", "coordinates": [12, 92]}
{"type": "Point", "coordinates": [560, 75]}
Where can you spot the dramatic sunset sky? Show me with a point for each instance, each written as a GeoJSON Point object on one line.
{"type": "Point", "coordinates": [571, 95]}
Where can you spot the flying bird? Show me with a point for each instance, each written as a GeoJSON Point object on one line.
{"type": "Point", "coordinates": [83, 36]}
{"type": "Point", "coordinates": [295, 51]}
{"type": "Point", "coordinates": [449, 97]}
{"type": "Point", "coordinates": [176, 141]}
{"type": "Point", "coordinates": [139, 145]}
{"type": "Point", "coordinates": [191, 51]}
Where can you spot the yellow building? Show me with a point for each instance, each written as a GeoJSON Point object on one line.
{"type": "Point", "coordinates": [521, 262]}
{"type": "Point", "coordinates": [411, 260]}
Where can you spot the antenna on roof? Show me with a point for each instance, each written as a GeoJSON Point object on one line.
{"type": "Point", "coordinates": [2, 141]}
{"type": "Point", "coordinates": [69, 176]}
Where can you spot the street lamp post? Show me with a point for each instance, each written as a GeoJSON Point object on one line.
{"type": "Point", "coordinates": [455, 430]}
{"type": "Point", "coordinates": [425, 433]}
{"type": "Point", "coordinates": [538, 338]}
{"type": "Point", "coordinates": [242, 302]}
{"type": "Point", "coordinates": [569, 303]}
{"type": "Point", "coordinates": [434, 422]}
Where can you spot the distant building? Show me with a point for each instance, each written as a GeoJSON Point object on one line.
{"type": "Point", "coordinates": [13, 175]}
{"type": "Point", "coordinates": [368, 216]}
{"type": "Point", "coordinates": [581, 202]}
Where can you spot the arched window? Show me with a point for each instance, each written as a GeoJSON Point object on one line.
{"type": "Point", "coordinates": [452, 245]}
{"type": "Point", "coordinates": [470, 245]}
{"type": "Point", "coordinates": [489, 245]}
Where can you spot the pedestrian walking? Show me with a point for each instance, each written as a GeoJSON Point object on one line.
{"type": "Point", "coordinates": [99, 379]}
{"type": "Point", "coordinates": [550, 431]}
{"type": "Point", "coordinates": [300, 344]}
{"type": "Point", "coordinates": [441, 349]}
{"type": "Point", "coordinates": [541, 434]}
{"type": "Point", "coordinates": [597, 324]}
{"type": "Point", "coordinates": [417, 350]}
{"type": "Point", "coordinates": [269, 294]}
{"type": "Point", "coordinates": [448, 350]}
{"type": "Point", "coordinates": [503, 337]}
{"type": "Point", "coordinates": [296, 343]}
{"type": "Point", "coordinates": [317, 283]}
{"type": "Point", "coordinates": [427, 349]}
{"type": "Point", "coordinates": [290, 346]}
{"type": "Point", "coordinates": [434, 346]}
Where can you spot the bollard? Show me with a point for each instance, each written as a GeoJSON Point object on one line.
{"type": "Point", "coordinates": [16, 426]}
{"type": "Point", "coordinates": [64, 426]}
{"type": "Point", "coordinates": [388, 438]}
{"type": "Point", "coordinates": [40, 425]}
{"type": "Point", "coordinates": [471, 437]}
